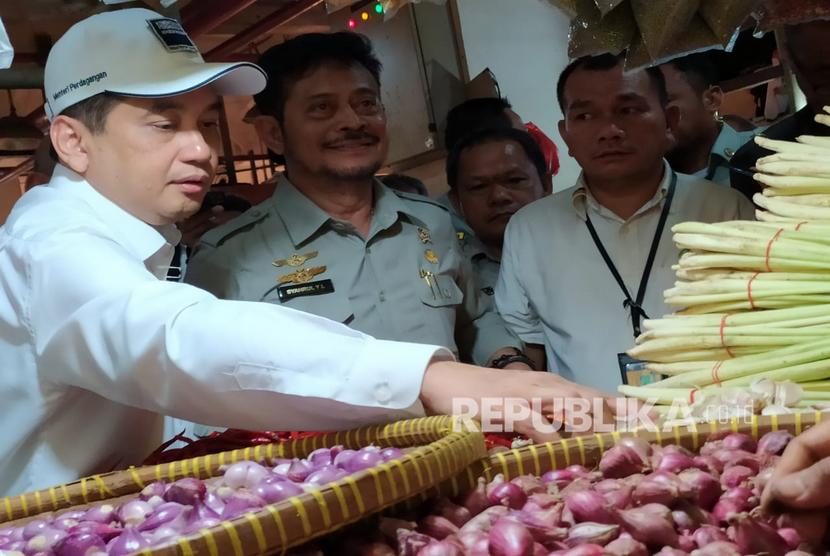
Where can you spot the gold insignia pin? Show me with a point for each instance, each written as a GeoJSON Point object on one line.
{"type": "Point", "coordinates": [295, 260]}
{"type": "Point", "coordinates": [427, 276]}
{"type": "Point", "coordinates": [460, 235]}
{"type": "Point", "coordinates": [430, 256]}
{"type": "Point", "coordinates": [302, 275]}
{"type": "Point", "coordinates": [423, 235]}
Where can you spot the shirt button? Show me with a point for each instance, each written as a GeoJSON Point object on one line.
{"type": "Point", "coordinates": [383, 393]}
{"type": "Point", "coordinates": [368, 250]}
{"type": "Point", "coordinates": [382, 296]}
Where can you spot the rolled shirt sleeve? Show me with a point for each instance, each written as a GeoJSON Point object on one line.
{"type": "Point", "coordinates": [174, 349]}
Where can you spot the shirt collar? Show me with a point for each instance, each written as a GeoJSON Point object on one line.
{"type": "Point", "coordinates": [582, 199]}
{"type": "Point", "coordinates": [137, 236]}
{"type": "Point", "coordinates": [303, 218]}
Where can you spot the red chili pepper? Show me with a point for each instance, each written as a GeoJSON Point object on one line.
{"type": "Point", "coordinates": [502, 439]}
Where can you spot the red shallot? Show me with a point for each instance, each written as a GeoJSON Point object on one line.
{"type": "Point", "coordinates": [510, 538]}
{"type": "Point", "coordinates": [773, 443]}
{"type": "Point", "coordinates": [650, 524]}
{"type": "Point", "coordinates": [589, 506]}
{"type": "Point", "coordinates": [621, 461]}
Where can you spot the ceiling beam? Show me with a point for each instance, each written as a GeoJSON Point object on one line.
{"type": "Point", "coordinates": [262, 27]}
{"type": "Point", "coordinates": [22, 77]}
{"type": "Point", "coordinates": [204, 16]}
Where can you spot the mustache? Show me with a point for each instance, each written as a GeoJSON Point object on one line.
{"type": "Point", "coordinates": [353, 136]}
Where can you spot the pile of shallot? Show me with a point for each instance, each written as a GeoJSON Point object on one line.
{"type": "Point", "coordinates": [642, 499]}
{"type": "Point", "coordinates": [164, 512]}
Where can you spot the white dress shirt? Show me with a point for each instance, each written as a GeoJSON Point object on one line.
{"type": "Point", "coordinates": [96, 346]}
{"type": "Point", "coordinates": [555, 289]}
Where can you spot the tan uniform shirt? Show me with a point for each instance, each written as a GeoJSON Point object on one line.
{"type": "Point", "coordinates": [406, 281]}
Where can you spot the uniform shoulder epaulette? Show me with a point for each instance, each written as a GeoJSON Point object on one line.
{"type": "Point", "coordinates": [420, 199]}
{"type": "Point", "coordinates": [218, 235]}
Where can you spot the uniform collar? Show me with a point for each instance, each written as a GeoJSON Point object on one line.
{"type": "Point", "coordinates": [729, 141]}
{"type": "Point", "coordinates": [138, 237]}
{"type": "Point", "coordinates": [389, 207]}
{"type": "Point", "coordinates": [303, 218]}
{"type": "Point", "coordinates": [582, 199]}
{"type": "Point", "coordinates": [475, 248]}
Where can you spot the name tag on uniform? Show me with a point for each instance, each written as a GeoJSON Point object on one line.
{"type": "Point", "coordinates": [287, 293]}
{"type": "Point", "coordinates": [634, 371]}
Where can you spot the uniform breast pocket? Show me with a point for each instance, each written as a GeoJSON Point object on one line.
{"type": "Point", "coordinates": [317, 298]}
{"type": "Point", "coordinates": [440, 291]}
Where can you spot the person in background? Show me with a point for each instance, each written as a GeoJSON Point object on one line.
{"type": "Point", "coordinates": [468, 117]}
{"type": "Point", "coordinates": [97, 346]}
{"type": "Point", "coordinates": [800, 482]}
{"type": "Point", "coordinates": [333, 240]}
{"type": "Point", "coordinates": [704, 142]}
{"type": "Point", "coordinates": [807, 49]}
{"type": "Point", "coordinates": [491, 113]}
{"type": "Point", "coordinates": [492, 174]}
{"type": "Point", "coordinates": [582, 268]}
{"type": "Point", "coordinates": [405, 184]}
{"type": "Point", "coordinates": [476, 114]}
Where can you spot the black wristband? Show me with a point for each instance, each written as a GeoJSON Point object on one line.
{"type": "Point", "coordinates": [505, 360]}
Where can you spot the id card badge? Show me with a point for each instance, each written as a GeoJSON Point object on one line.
{"type": "Point", "coordinates": [633, 371]}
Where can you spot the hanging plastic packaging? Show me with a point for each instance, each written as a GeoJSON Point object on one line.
{"type": "Point", "coordinates": [391, 7]}
{"type": "Point", "coordinates": [725, 18]}
{"type": "Point", "coordinates": [697, 37]}
{"type": "Point", "coordinates": [662, 22]}
{"type": "Point", "coordinates": [655, 31]}
{"type": "Point", "coordinates": [567, 6]}
{"type": "Point", "coordinates": [606, 6]}
{"type": "Point", "coordinates": [6, 49]}
{"type": "Point", "coordinates": [591, 33]}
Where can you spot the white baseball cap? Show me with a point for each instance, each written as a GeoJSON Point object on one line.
{"type": "Point", "coordinates": [137, 53]}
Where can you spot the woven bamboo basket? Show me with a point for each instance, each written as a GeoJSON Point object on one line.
{"type": "Point", "coordinates": [587, 450]}
{"type": "Point", "coordinates": [439, 451]}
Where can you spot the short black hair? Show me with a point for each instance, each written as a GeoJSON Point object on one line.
{"type": "Point", "coordinates": [481, 137]}
{"type": "Point", "coordinates": [605, 62]}
{"type": "Point", "coordinates": [288, 62]}
{"type": "Point", "coordinates": [93, 111]}
{"type": "Point", "coordinates": [700, 70]}
{"type": "Point", "coordinates": [473, 115]}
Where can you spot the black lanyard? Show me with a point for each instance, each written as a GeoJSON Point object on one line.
{"type": "Point", "coordinates": [636, 306]}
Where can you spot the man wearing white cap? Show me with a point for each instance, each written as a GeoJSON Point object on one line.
{"type": "Point", "coordinates": [97, 346]}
